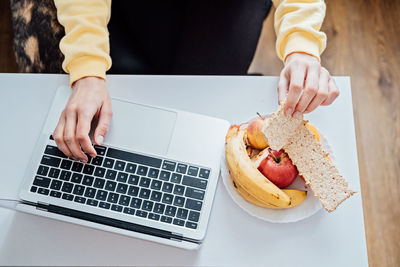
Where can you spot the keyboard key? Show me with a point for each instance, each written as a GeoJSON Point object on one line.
{"type": "Point", "coordinates": [97, 161]}
{"type": "Point", "coordinates": [108, 163]}
{"type": "Point", "coordinates": [129, 211]}
{"type": "Point", "coordinates": [55, 194]}
{"type": "Point", "coordinates": [156, 184]}
{"type": "Point", "coordinates": [170, 211]}
{"type": "Point", "coordinates": [144, 193]}
{"type": "Point", "coordinates": [119, 165]}
{"type": "Point", "coordinates": [193, 204]}
{"type": "Point", "coordinates": [110, 186]}
{"type": "Point", "coordinates": [54, 173]}
{"type": "Point", "coordinates": [167, 187]}
{"type": "Point", "coordinates": [133, 191]}
{"type": "Point", "coordinates": [142, 170]}
{"type": "Point", "coordinates": [99, 183]}
{"type": "Point", "coordinates": [153, 216]}
{"type": "Point", "coordinates": [122, 177]}
{"type": "Point", "coordinates": [33, 189]}
{"type": "Point", "coordinates": [42, 170]}
{"type": "Point", "coordinates": [182, 213]}
{"type": "Point", "coordinates": [55, 184]}
{"type": "Point", "coordinates": [156, 196]}
{"type": "Point", "coordinates": [194, 216]}
{"type": "Point", "coordinates": [153, 173]}
{"type": "Point", "coordinates": [41, 181]}
{"type": "Point", "coordinates": [195, 193]}
{"type": "Point", "coordinates": [99, 172]}
{"type": "Point", "coordinates": [54, 151]}
{"type": "Point", "coordinates": [121, 188]}
{"type": "Point", "coordinates": [178, 190]}
{"type": "Point", "coordinates": [66, 164]}
{"type": "Point", "coordinates": [50, 161]}
{"type": "Point", "coordinates": [104, 205]}
{"type": "Point", "coordinates": [113, 197]}
{"type": "Point", "coordinates": [116, 208]}
{"type": "Point", "coordinates": [77, 167]}
{"type": "Point", "coordinates": [176, 178]}
{"type": "Point", "coordinates": [43, 191]}
{"type": "Point", "coordinates": [147, 205]}
{"type": "Point", "coordinates": [89, 158]}
{"type": "Point", "coordinates": [191, 225]}
{"type": "Point", "coordinates": [101, 195]}
{"type": "Point", "coordinates": [67, 187]}
{"type": "Point", "coordinates": [166, 219]}
{"type": "Point", "coordinates": [164, 175]}
{"type": "Point", "coordinates": [204, 173]}
{"type": "Point", "coordinates": [133, 157]}
{"type": "Point", "coordinates": [88, 169]}
{"type": "Point", "coordinates": [133, 179]}
{"type": "Point", "coordinates": [141, 213]}
{"type": "Point", "coordinates": [159, 208]}
{"type": "Point", "coordinates": [167, 198]}
{"type": "Point", "coordinates": [67, 196]}
{"type": "Point", "coordinates": [144, 182]}
{"type": "Point", "coordinates": [194, 182]}
{"type": "Point", "coordinates": [131, 168]}
{"type": "Point", "coordinates": [76, 178]}
{"type": "Point", "coordinates": [179, 222]}
{"type": "Point", "coordinates": [80, 199]}
{"type": "Point", "coordinates": [181, 168]}
{"type": "Point", "coordinates": [92, 202]}
{"type": "Point", "coordinates": [136, 203]}
{"type": "Point", "coordinates": [90, 192]}
{"type": "Point", "coordinates": [193, 171]}
{"type": "Point", "coordinates": [179, 201]}
{"type": "Point", "coordinates": [87, 180]}
{"type": "Point", "coordinates": [78, 190]}
{"type": "Point", "coordinates": [124, 200]}
{"type": "Point", "coordinates": [111, 174]}
{"type": "Point", "coordinates": [65, 175]}
{"type": "Point", "coordinates": [101, 150]}
{"type": "Point", "coordinates": [169, 165]}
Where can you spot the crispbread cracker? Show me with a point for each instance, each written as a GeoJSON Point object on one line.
{"type": "Point", "coordinates": [307, 154]}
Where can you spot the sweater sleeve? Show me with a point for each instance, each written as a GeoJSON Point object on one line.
{"type": "Point", "coordinates": [297, 26]}
{"type": "Point", "coordinates": [85, 45]}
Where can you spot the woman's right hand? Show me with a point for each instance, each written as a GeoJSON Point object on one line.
{"type": "Point", "coordinates": [89, 99]}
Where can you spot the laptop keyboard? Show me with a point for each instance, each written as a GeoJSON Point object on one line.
{"type": "Point", "coordinates": [148, 187]}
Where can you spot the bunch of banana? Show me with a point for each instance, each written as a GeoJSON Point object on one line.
{"type": "Point", "coordinates": [250, 183]}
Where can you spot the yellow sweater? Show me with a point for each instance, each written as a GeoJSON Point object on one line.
{"type": "Point", "coordinates": [86, 45]}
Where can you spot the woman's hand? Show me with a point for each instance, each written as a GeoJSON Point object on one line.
{"type": "Point", "coordinates": [89, 99]}
{"type": "Point", "coordinates": [304, 85]}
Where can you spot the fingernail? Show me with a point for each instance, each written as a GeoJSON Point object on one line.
{"type": "Point", "coordinates": [297, 115]}
{"type": "Point", "coordinates": [100, 139]}
{"type": "Point", "coordinates": [289, 112]}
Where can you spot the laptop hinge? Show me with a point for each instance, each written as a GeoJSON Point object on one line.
{"type": "Point", "coordinates": [111, 222]}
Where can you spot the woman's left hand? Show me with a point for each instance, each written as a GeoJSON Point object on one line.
{"type": "Point", "coordinates": [304, 85]}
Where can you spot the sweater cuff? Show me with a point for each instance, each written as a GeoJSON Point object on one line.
{"type": "Point", "coordinates": [86, 66]}
{"type": "Point", "coordinates": [301, 42]}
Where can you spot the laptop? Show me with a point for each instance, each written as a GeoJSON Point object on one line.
{"type": "Point", "coordinates": [154, 177]}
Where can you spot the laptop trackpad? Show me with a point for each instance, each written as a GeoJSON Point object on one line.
{"type": "Point", "coordinates": [140, 128]}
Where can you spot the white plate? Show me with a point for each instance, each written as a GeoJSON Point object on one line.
{"type": "Point", "coordinates": [307, 208]}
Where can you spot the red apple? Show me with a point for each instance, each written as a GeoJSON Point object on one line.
{"type": "Point", "coordinates": [278, 168]}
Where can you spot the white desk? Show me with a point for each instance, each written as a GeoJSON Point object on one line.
{"type": "Point", "coordinates": [234, 238]}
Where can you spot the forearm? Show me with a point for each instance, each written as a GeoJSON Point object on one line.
{"type": "Point", "coordinates": [86, 42]}
{"type": "Point", "coordinates": [297, 26]}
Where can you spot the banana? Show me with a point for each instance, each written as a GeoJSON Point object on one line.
{"type": "Point", "coordinates": [246, 174]}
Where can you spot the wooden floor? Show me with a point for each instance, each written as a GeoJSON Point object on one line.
{"type": "Point", "coordinates": [364, 43]}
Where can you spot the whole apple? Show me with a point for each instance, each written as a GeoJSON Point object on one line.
{"type": "Point", "coordinates": [278, 168]}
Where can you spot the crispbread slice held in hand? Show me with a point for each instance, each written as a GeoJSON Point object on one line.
{"type": "Point", "coordinates": [279, 128]}
{"type": "Point", "coordinates": [306, 153]}
{"type": "Point", "coordinates": [319, 173]}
